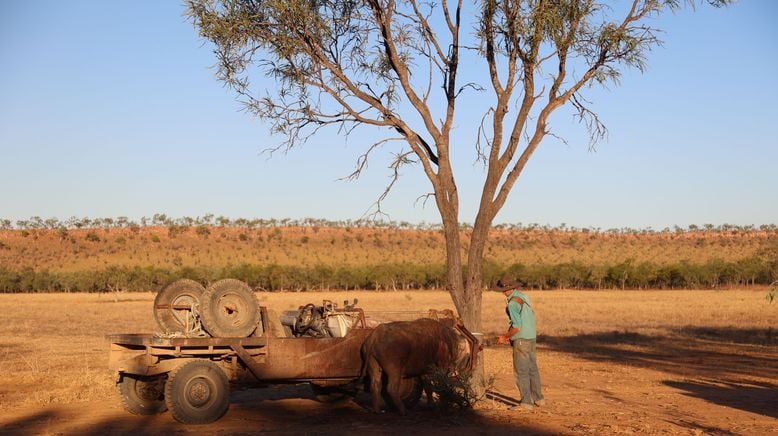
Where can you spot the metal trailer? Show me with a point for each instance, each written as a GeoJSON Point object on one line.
{"type": "Point", "coordinates": [191, 376]}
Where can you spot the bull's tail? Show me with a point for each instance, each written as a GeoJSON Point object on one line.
{"type": "Point", "coordinates": [366, 352]}
{"type": "Point", "coordinates": [370, 373]}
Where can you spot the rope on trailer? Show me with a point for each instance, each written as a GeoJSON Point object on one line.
{"type": "Point", "coordinates": [196, 331]}
{"type": "Point", "coordinates": [193, 327]}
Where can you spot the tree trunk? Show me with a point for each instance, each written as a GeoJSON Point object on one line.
{"type": "Point", "coordinates": [466, 290]}
{"type": "Point", "coordinates": [447, 201]}
{"type": "Point", "coordinates": [456, 285]}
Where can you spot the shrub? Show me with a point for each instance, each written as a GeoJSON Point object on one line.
{"type": "Point", "coordinates": [202, 230]}
{"type": "Point", "coordinates": [91, 236]}
{"type": "Point", "coordinates": [174, 230]}
{"type": "Point", "coordinates": [457, 391]}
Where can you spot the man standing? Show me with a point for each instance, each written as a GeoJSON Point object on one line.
{"type": "Point", "coordinates": [521, 335]}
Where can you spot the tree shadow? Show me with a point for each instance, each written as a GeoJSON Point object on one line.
{"type": "Point", "coordinates": [354, 415]}
{"type": "Point", "coordinates": [695, 427]}
{"type": "Point", "coordinates": [23, 425]}
{"type": "Point", "coordinates": [720, 366]}
{"type": "Point", "coordinates": [56, 420]}
{"type": "Point", "coordinates": [760, 398]}
{"type": "Point", "coordinates": [680, 354]}
{"type": "Point", "coordinates": [282, 409]}
{"type": "Point", "coordinates": [754, 336]}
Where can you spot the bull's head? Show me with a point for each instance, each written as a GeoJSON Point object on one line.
{"type": "Point", "coordinates": [466, 351]}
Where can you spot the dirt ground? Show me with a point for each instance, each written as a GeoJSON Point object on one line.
{"type": "Point", "coordinates": [691, 379]}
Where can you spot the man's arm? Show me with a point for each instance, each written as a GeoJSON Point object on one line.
{"type": "Point", "coordinates": [506, 338]}
{"type": "Point", "coordinates": [515, 315]}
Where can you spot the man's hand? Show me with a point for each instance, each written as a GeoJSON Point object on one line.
{"type": "Point", "coordinates": [503, 340]}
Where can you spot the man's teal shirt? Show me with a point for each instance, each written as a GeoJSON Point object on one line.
{"type": "Point", "coordinates": [522, 316]}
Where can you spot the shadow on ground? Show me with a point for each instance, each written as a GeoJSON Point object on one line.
{"type": "Point", "coordinates": [282, 410]}
{"type": "Point", "coordinates": [681, 354]}
{"type": "Point", "coordinates": [695, 427]}
{"type": "Point", "coordinates": [760, 398]}
{"type": "Point", "coordinates": [768, 336]}
{"type": "Point", "coordinates": [720, 366]}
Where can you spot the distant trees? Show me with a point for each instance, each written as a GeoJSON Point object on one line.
{"type": "Point", "coordinates": [713, 274]}
{"type": "Point", "coordinates": [208, 220]}
{"type": "Point", "coordinates": [389, 259]}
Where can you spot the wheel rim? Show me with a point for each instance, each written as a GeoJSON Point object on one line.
{"type": "Point", "coordinates": [199, 392]}
{"type": "Point", "coordinates": [233, 307]}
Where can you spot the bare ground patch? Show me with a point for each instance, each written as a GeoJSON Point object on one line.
{"type": "Point", "coordinates": [682, 362]}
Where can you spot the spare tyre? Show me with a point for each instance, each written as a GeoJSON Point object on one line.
{"type": "Point", "coordinates": [229, 309]}
{"type": "Point", "coordinates": [173, 305]}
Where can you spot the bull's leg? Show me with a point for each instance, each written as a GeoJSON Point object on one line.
{"type": "Point", "coordinates": [427, 385]}
{"type": "Point", "coordinates": [393, 385]}
{"type": "Point", "coordinates": [375, 373]}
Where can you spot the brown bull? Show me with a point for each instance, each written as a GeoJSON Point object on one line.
{"type": "Point", "coordinates": [410, 349]}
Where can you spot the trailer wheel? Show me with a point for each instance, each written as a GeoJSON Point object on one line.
{"type": "Point", "coordinates": [229, 309]}
{"type": "Point", "coordinates": [197, 392]}
{"type": "Point", "coordinates": [410, 392]}
{"type": "Point", "coordinates": [184, 294]}
{"type": "Point", "coordinates": [142, 395]}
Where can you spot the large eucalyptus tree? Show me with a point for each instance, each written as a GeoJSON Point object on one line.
{"type": "Point", "coordinates": [396, 66]}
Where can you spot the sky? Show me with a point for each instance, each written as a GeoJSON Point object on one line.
{"type": "Point", "coordinates": [112, 109]}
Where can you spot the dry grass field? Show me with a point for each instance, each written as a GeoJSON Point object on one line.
{"type": "Point", "coordinates": [689, 362]}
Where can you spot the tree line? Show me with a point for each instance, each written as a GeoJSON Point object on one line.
{"type": "Point", "coordinates": [756, 270]}
{"type": "Point", "coordinates": [210, 220]}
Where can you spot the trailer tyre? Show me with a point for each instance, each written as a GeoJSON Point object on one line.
{"type": "Point", "coordinates": [229, 309]}
{"type": "Point", "coordinates": [183, 292]}
{"type": "Point", "coordinates": [142, 395]}
{"type": "Point", "coordinates": [197, 392]}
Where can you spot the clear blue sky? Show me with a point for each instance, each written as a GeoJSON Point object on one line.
{"type": "Point", "coordinates": [110, 108]}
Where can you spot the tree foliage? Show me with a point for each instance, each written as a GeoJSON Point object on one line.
{"type": "Point", "coordinates": [396, 66]}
